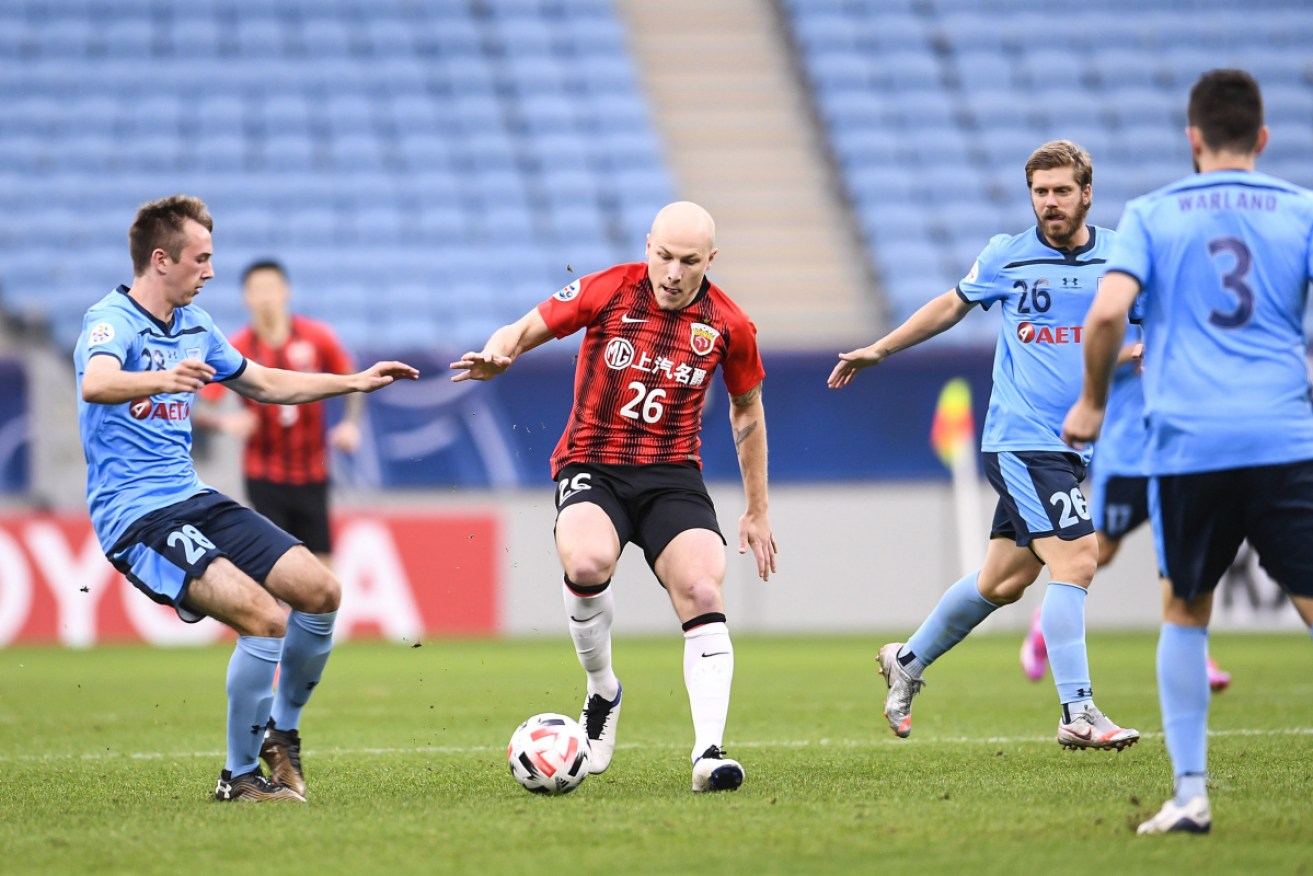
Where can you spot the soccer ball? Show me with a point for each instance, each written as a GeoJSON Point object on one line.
{"type": "Point", "coordinates": [549, 754]}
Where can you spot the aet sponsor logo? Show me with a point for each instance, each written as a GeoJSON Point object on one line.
{"type": "Point", "coordinates": [149, 409]}
{"type": "Point", "coordinates": [1029, 333]}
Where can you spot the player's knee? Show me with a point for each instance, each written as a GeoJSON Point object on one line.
{"type": "Point", "coordinates": [267, 622]}
{"type": "Point", "coordinates": [700, 593]}
{"type": "Point", "coordinates": [588, 570]}
{"type": "Point", "coordinates": [1078, 570]}
{"type": "Point", "coordinates": [323, 596]}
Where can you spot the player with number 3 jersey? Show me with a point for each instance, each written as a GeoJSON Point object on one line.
{"type": "Point", "coordinates": [628, 470]}
{"type": "Point", "coordinates": [1220, 262]}
{"type": "Point", "coordinates": [1044, 279]}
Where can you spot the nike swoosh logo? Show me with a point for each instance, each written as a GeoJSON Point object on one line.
{"type": "Point", "coordinates": [714, 653]}
{"type": "Point", "coordinates": [628, 318]}
{"type": "Point", "coordinates": [1087, 735]}
{"type": "Point", "coordinates": [584, 620]}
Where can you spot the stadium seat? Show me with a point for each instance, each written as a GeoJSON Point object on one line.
{"type": "Point", "coordinates": [983, 71]}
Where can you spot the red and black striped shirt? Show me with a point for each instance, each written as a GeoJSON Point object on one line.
{"type": "Point", "coordinates": [642, 376]}
{"type": "Point", "coordinates": [288, 445]}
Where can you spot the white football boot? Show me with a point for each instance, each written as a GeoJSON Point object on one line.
{"type": "Point", "coordinates": [902, 687]}
{"type": "Point", "coordinates": [1194, 817]}
{"type": "Point", "coordinates": [1090, 728]}
{"type": "Point", "coordinates": [599, 719]}
{"type": "Point", "coordinates": [713, 771]}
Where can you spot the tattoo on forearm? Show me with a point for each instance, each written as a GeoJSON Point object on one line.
{"type": "Point", "coordinates": [741, 435]}
{"type": "Point", "coordinates": [742, 401]}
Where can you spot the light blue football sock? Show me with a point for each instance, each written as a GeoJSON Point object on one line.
{"type": "Point", "coordinates": [1062, 618]}
{"type": "Point", "coordinates": [309, 642]}
{"type": "Point", "coordinates": [250, 695]}
{"type": "Point", "coordinates": [960, 610]}
{"type": "Point", "coordinates": [1184, 694]}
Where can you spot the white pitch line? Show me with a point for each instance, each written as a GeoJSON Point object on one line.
{"type": "Point", "coordinates": [497, 749]}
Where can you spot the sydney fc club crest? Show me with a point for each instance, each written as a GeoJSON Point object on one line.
{"type": "Point", "coordinates": [703, 338]}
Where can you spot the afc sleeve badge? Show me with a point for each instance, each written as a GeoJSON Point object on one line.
{"type": "Point", "coordinates": [101, 333]}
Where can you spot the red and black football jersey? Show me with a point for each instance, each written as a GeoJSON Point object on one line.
{"type": "Point", "coordinates": [643, 372]}
{"type": "Point", "coordinates": [288, 445]}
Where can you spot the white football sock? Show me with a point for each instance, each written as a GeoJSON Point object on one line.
{"type": "Point", "coordinates": [590, 628]}
{"type": "Point", "coordinates": [708, 674]}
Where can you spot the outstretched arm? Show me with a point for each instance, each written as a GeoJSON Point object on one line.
{"type": "Point", "coordinates": [937, 315]}
{"type": "Point", "coordinates": [279, 387]}
{"type": "Point", "coordinates": [106, 383]}
{"type": "Point", "coordinates": [1105, 328]}
{"type": "Point", "coordinates": [503, 348]}
{"type": "Point", "coordinates": [747, 417]}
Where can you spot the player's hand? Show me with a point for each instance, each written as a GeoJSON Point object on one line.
{"type": "Point", "coordinates": [754, 533]}
{"type": "Point", "coordinates": [380, 374]}
{"type": "Point", "coordinates": [241, 424]}
{"type": "Point", "coordinates": [189, 375]}
{"type": "Point", "coordinates": [344, 437]}
{"type": "Point", "coordinates": [479, 366]}
{"type": "Point", "coordinates": [1082, 424]}
{"type": "Point", "coordinates": [852, 362]}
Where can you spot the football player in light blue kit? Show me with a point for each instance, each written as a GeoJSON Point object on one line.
{"type": "Point", "coordinates": [1044, 279]}
{"type": "Point", "coordinates": [1224, 259]}
{"type": "Point", "coordinates": [1119, 491]}
{"type": "Point", "coordinates": [142, 355]}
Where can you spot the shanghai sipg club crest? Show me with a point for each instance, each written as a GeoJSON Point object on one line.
{"type": "Point", "coordinates": [703, 338]}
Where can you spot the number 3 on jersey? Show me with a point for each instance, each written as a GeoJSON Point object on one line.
{"type": "Point", "coordinates": [650, 402]}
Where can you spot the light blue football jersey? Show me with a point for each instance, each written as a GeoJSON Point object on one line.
{"type": "Point", "coordinates": [1120, 450]}
{"type": "Point", "coordinates": [1045, 294]}
{"type": "Point", "coordinates": [139, 452]}
{"type": "Point", "coordinates": [1224, 260]}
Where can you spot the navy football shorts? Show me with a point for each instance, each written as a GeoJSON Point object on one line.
{"type": "Point", "coordinates": [1118, 503]}
{"type": "Point", "coordinates": [1199, 521]}
{"type": "Point", "coordinates": [1038, 495]}
{"type": "Point", "coordinates": [163, 551]}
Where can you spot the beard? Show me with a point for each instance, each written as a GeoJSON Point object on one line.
{"type": "Point", "coordinates": [1069, 225]}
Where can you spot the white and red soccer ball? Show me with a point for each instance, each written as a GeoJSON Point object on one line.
{"type": "Point", "coordinates": [549, 754]}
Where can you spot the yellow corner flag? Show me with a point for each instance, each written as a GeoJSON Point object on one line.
{"type": "Point", "coordinates": [954, 428]}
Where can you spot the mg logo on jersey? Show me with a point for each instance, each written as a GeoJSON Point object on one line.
{"type": "Point", "coordinates": [703, 338]}
{"type": "Point", "coordinates": [1029, 333]}
{"type": "Point", "coordinates": [147, 409]}
{"type": "Point", "coordinates": [619, 353]}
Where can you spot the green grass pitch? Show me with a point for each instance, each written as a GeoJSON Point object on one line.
{"type": "Point", "coordinates": [108, 759]}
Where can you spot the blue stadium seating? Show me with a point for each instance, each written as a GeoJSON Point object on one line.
{"type": "Point", "coordinates": [931, 110]}
{"type": "Point", "coordinates": [423, 143]}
